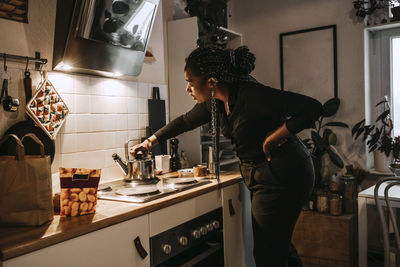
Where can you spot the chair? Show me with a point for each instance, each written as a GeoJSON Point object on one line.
{"type": "Point", "coordinates": [391, 241]}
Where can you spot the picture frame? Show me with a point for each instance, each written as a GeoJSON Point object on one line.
{"type": "Point", "coordinates": [308, 62]}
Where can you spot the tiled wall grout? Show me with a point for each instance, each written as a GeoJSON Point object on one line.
{"type": "Point", "coordinates": [104, 113]}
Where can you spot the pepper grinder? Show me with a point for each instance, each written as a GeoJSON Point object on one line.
{"type": "Point", "coordinates": [174, 161]}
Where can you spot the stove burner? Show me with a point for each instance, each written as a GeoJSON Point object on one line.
{"type": "Point", "coordinates": [154, 180]}
{"type": "Point", "coordinates": [141, 190]}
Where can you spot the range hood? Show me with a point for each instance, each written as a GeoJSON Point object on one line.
{"type": "Point", "coordinates": [102, 37]}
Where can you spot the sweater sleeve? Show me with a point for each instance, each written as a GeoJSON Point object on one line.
{"type": "Point", "coordinates": [196, 117]}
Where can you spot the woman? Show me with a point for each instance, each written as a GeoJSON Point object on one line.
{"type": "Point", "coordinates": [262, 123]}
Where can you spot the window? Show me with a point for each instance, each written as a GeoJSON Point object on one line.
{"type": "Point", "coordinates": [395, 83]}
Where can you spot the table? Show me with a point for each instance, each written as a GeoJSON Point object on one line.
{"type": "Point", "coordinates": [366, 197]}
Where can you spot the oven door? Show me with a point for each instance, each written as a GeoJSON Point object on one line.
{"type": "Point", "coordinates": [198, 242]}
{"type": "Point", "coordinates": [204, 255]}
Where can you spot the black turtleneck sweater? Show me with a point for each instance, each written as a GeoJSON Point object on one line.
{"type": "Point", "coordinates": [255, 111]}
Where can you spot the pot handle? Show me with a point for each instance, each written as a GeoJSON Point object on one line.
{"type": "Point", "coordinates": [37, 140]}
{"type": "Point", "coordinates": [19, 148]}
{"type": "Point", "coordinates": [126, 149]}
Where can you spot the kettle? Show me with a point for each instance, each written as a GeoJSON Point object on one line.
{"type": "Point", "coordinates": [140, 170]}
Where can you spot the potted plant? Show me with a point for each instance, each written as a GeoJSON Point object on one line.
{"type": "Point", "coordinates": [323, 139]}
{"type": "Point", "coordinates": [379, 135]}
{"type": "Point", "coordinates": [368, 7]}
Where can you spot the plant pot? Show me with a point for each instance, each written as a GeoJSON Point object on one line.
{"type": "Point", "coordinates": [396, 13]}
{"type": "Point", "coordinates": [381, 161]}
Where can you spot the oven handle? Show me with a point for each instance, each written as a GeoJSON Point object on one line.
{"type": "Point", "coordinates": [213, 248]}
{"type": "Point", "coordinates": [140, 249]}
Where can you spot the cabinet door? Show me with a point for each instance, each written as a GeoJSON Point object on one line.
{"type": "Point", "coordinates": [111, 246]}
{"type": "Point", "coordinates": [238, 236]}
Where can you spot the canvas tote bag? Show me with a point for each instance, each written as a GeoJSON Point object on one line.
{"type": "Point", "coordinates": [25, 186]}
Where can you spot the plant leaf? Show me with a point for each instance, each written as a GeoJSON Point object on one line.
{"type": "Point", "coordinates": [335, 158]}
{"type": "Point", "coordinates": [325, 135]}
{"type": "Point", "coordinates": [332, 139]}
{"type": "Point", "coordinates": [383, 116]}
{"type": "Point", "coordinates": [356, 127]}
{"type": "Point", "coordinates": [331, 107]}
{"type": "Point", "coordinates": [359, 131]}
{"type": "Point", "coordinates": [337, 124]}
{"type": "Point", "coordinates": [383, 101]}
{"type": "Point", "coordinates": [368, 130]}
{"type": "Point", "coordinates": [318, 142]}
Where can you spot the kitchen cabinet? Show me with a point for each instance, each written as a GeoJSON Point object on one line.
{"type": "Point", "coordinates": [182, 39]}
{"type": "Point", "coordinates": [238, 237]}
{"type": "Point", "coordinates": [110, 246]}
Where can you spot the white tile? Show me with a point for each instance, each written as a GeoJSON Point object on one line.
{"type": "Point", "coordinates": [56, 163]}
{"type": "Point", "coordinates": [69, 125]}
{"type": "Point", "coordinates": [120, 138]}
{"type": "Point", "coordinates": [133, 134]}
{"type": "Point", "coordinates": [97, 141]}
{"type": "Point", "coordinates": [142, 133]}
{"type": "Point", "coordinates": [113, 87]}
{"type": "Point", "coordinates": [98, 104]}
{"type": "Point", "coordinates": [69, 100]}
{"type": "Point", "coordinates": [143, 121]}
{"type": "Point", "coordinates": [63, 83]}
{"type": "Point", "coordinates": [133, 122]}
{"type": "Point", "coordinates": [132, 88]}
{"type": "Point", "coordinates": [110, 174]}
{"type": "Point", "coordinates": [143, 90]}
{"type": "Point", "coordinates": [98, 123]}
{"type": "Point", "coordinates": [83, 142]}
{"type": "Point", "coordinates": [96, 85]}
{"type": "Point", "coordinates": [69, 160]}
{"type": "Point", "coordinates": [108, 139]}
{"type": "Point", "coordinates": [68, 143]}
{"type": "Point", "coordinates": [82, 84]}
{"type": "Point", "coordinates": [132, 104]}
{"type": "Point", "coordinates": [83, 122]}
{"type": "Point", "coordinates": [110, 122]}
{"type": "Point", "coordinates": [108, 160]}
{"type": "Point", "coordinates": [120, 105]}
{"type": "Point", "coordinates": [142, 105]}
{"type": "Point", "coordinates": [82, 103]}
{"type": "Point", "coordinates": [121, 121]}
{"type": "Point", "coordinates": [90, 160]}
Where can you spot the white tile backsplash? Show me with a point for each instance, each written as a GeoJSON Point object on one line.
{"type": "Point", "coordinates": [104, 114]}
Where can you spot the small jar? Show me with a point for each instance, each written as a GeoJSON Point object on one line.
{"type": "Point", "coordinates": [335, 204]}
{"type": "Point", "coordinates": [334, 184]}
{"type": "Point", "coordinates": [322, 202]}
{"type": "Point", "coordinates": [349, 193]}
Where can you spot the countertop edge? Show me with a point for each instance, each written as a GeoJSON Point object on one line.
{"type": "Point", "coordinates": [10, 252]}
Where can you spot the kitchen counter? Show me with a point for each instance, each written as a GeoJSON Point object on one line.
{"type": "Point", "coordinates": [17, 241]}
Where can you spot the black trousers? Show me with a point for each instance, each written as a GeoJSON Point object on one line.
{"type": "Point", "coordinates": [279, 188]}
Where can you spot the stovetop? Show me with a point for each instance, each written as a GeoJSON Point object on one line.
{"type": "Point", "coordinates": [138, 193]}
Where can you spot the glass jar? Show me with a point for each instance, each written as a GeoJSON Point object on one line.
{"type": "Point", "coordinates": [322, 202]}
{"type": "Point", "coordinates": [349, 193]}
{"type": "Point", "coordinates": [335, 204]}
{"type": "Point", "coordinates": [334, 183]}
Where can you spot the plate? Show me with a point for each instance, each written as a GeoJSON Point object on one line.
{"type": "Point", "coordinates": [138, 190]}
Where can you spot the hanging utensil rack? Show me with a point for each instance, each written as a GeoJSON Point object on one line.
{"type": "Point", "coordinates": [25, 59]}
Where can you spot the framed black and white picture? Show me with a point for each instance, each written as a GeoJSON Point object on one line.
{"type": "Point", "coordinates": [308, 60]}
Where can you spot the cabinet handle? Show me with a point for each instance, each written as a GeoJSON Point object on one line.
{"type": "Point", "coordinates": [231, 209]}
{"type": "Point", "coordinates": [140, 249]}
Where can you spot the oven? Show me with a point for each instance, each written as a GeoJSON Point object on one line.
{"type": "Point", "coordinates": [198, 242]}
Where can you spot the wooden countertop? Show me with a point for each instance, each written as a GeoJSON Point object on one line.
{"type": "Point", "coordinates": [16, 241]}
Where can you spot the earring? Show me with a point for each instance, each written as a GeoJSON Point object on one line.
{"type": "Point", "coordinates": [212, 91]}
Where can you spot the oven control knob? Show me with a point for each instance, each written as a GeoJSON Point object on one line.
{"type": "Point", "coordinates": [183, 241]}
{"type": "Point", "coordinates": [203, 230]}
{"type": "Point", "coordinates": [215, 224]}
{"type": "Point", "coordinates": [166, 248]}
{"type": "Point", "coordinates": [210, 227]}
{"type": "Point", "coordinates": [196, 234]}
